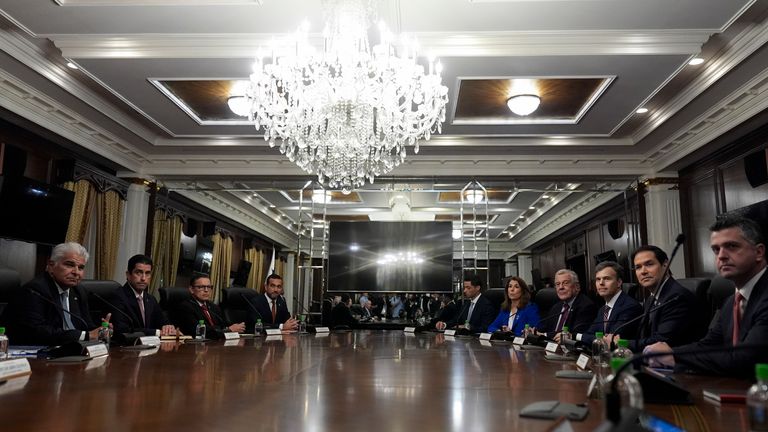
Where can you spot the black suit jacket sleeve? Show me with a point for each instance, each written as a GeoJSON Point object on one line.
{"type": "Point", "coordinates": [671, 322]}
{"type": "Point", "coordinates": [753, 330]}
{"type": "Point", "coordinates": [342, 315]}
{"type": "Point", "coordinates": [482, 315]}
{"type": "Point", "coordinates": [189, 313]}
{"type": "Point", "coordinates": [37, 322]}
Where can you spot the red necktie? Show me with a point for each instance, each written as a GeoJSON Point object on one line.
{"type": "Point", "coordinates": [274, 311]}
{"type": "Point", "coordinates": [737, 298]}
{"type": "Point", "coordinates": [207, 314]}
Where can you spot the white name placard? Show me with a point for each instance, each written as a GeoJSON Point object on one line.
{"type": "Point", "coordinates": [551, 347]}
{"type": "Point", "coordinates": [485, 336]}
{"type": "Point", "coordinates": [274, 332]}
{"type": "Point", "coordinates": [150, 340]}
{"type": "Point", "coordinates": [322, 330]}
{"type": "Point", "coordinates": [583, 361]}
{"type": "Point", "coordinates": [97, 350]}
{"type": "Point", "coordinates": [231, 335]}
{"type": "Point", "coordinates": [14, 368]}
{"type": "Point", "coordinates": [450, 332]}
{"type": "Point", "coordinates": [518, 340]}
{"type": "Point", "coordinates": [486, 343]}
{"type": "Point", "coordinates": [232, 342]}
{"type": "Point", "coordinates": [149, 352]}
{"type": "Point", "coordinates": [410, 330]}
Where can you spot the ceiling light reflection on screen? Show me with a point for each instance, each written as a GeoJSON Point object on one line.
{"type": "Point", "coordinates": [400, 258]}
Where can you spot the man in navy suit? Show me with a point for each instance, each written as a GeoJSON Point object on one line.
{"type": "Point", "coordinates": [141, 312]}
{"type": "Point", "coordinates": [739, 247]}
{"type": "Point", "coordinates": [669, 308]}
{"type": "Point", "coordinates": [39, 312]}
{"type": "Point", "coordinates": [200, 308]}
{"type": "Point", "coordinates": [477, 310]}
{"type": "Point", "coordinates": [619, 307]}
{"type": "Point", "coordinates": [271, 308]}
{"type": "Point", "coordinates": [574, 310]}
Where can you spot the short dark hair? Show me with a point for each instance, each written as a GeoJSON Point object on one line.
{"type": "Point", "coordinates": [138, 259]}
{"type": "Point", "coordinates": [345, 298]}
{"type": "Point", "coordinates": [273, 276]}
{"type": "Point", "coordinates": [474, 280]}
{"type": "Point", "coordinates": [749, 228]}
{"type": "Point", "coordinates": [197, 277]}
{"type": "Point", "coordinates": [612, 264]}
{"type": "Point", "coordinates": [661, 256]}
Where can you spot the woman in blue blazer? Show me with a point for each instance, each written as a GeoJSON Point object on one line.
{"type": "Point", "coordinates": [517, 309]}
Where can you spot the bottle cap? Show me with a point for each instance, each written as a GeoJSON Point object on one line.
{"type": "Point", "coordinates": [258, 321]}
{"type": "Point", "coordinates": [565, 329]}
{"type": "Point", "coordinates": [2, 330]}
{"type": "Point", "coordinates": [623, 343]}
{"type": "Point", "coordinates": [761, 371]}
{"type": "Point", "coordinates": [527, 326]}
{"type": "Point", "coordinates": [599, 335]}
{"type": "Point", "coordinates": [201, 322]}
{"type": "Point", "coordinates": [104, 324]}
{"type": "Point", "coordinates": [617, 362]}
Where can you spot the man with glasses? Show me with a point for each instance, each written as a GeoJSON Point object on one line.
{"type": "Point", "coordinates": [574, 310]}
{"type": "Point", "coordinates": [199, 307]}
{"type": "Point", "coordinates": [271, 307]}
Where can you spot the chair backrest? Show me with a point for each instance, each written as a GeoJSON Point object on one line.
{"type": "Point", "coordinates": [699, 287]}
{"type": "Point", "coordinates": [545, 298]}
{"type": "Point", "coordinates": [496, 296]}
{"type": "Point", "coordinates": [233, 304]}
{"type": "Point", "coordinates": [106, 289]}
{"type": "Point", "coordinates": [633, 290]}
{"type": "Point", "coordinates": [170, 297]}
{"type": "Point", "coordinates": [9, 286]}
{"type": "Point", "coordinates": [719, 290]}
{"type": "Point", "coordinates": [326, 312]}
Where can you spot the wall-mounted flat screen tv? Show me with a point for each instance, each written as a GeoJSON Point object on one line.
{"type": "Point", "coordinates": [34, 211]}
{"type": "Point", "coordinates": [390, 256]}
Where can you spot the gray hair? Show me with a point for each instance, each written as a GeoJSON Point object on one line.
{"type": "Point", "coordinates": [62, 249]}
{"type": "Point", "coordinates": [574, 276]}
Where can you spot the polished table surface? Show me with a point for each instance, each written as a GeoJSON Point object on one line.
{"type": "Point", "coordinates": [361, 380]}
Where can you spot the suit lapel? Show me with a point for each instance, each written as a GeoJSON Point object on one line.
{"type": "Point", "coordinates": [754, 299]}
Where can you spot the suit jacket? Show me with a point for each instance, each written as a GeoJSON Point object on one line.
{"type": "Point", "coordinates": [265, 313]}
{"type": "Point", "coordinates": [189, 313]}
{"type": "Point", "coordinates": [580, 316]}
{"type": "Point", "coordinates": [342, 315]}
{"type": "Point", "coordinates": [125, 300]}
{"type": "Point", "coordinates": [624, 310]}
{"type": "Point", "coordinates": [35, 321]}
{"type": "Point", "coordinates": [445, 314]}
{"type": "Point", "coordinates": [671, 322]}
{"type": "Point", "coordinates": [482, 315]}
{"type": "Point", "coordinates": [752, 330]}
{"type": "Point", "coordinates": [527, 315]}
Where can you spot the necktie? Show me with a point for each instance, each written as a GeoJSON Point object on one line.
{"type": "Point", "coordinates": [563, 317]}
{"type": "Point", "coordinates": [141, 309]}
{"type": "Point", "coordinates": [606, 314]}
{"type": "Point", "coordinates": [65, 305]}
{"type": "Point", "coordinates": [737, 299]}
{"type": "Point", "coordinates": [645, 323]}
{"type": "Point", "coordinates": [471, 308]}
{"type": "Point", "coordinates": [207, 314]}
{"type": "Point", "coordinates": [274, 311]}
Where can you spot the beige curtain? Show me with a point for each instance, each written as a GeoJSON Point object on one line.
{"type": "Point", "coordinates": [256, 257]}
{"type": "Point", "coordinates": [280, 266]}
{"type": "Point", "coordinates": [221, 264]}
{"type": "Point", "coordinates": [85, 194]}
{"type": "Point", "coordinates": [166, 242]}
{"type": "Point", "coordinates": [109, 220]}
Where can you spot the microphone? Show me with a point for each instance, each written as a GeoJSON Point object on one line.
{"type": "Point", "coordinates": [130, 318]}
{"type": "Point", "coordinates": [59, 307]}
{"type": "Point", "coordinates": [499, 335]}
{"type": "Point", "coordinates": [301, 306]}
{"type": "Point", "coordinates": [253, 308]}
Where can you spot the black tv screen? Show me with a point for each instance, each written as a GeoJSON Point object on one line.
{"type": "Point", "coordinates": [34, 211]}
{"type": "Point", "coordinates": [390, 256]}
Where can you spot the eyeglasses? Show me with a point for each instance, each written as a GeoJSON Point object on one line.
{"type": "Point", "coordinates": [203, 287]}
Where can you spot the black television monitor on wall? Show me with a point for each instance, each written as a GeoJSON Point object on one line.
{"type": "Point", "coordinates": [390, 256]}
{"type": "Point", "coordinates": [34, 211]}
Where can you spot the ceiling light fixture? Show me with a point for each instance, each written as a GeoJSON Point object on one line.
{"type": "Point", "coordinates": [237, 101]}
{"type": "Point", "coordinates": [696, 61]}
{"type": "Point", "coordinates": [523, 104]}
{"type": "Point", "coordinates": [320, 196]}
{"type": "Point", "coordinates": [72, 65]}
{"type": "Point", "coordinates": [642, 110]}
{"type": "Point", "coordinates": [456, 234]}
{"type": "Point", "coordinates": [346, 113]}
{"type": "Point", "coordinates": [474, 196]}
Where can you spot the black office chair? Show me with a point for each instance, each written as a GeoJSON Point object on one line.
{"type": "Point", "coordinates": [234, 306]}
{"type": "Point", "coordinates": [496, 296]}
{"type": "Point", "coordinates": [10, 284]}
{"type": "Point", "coordinates": [545, 298]}
{"type": "Point", "coordinates": [699, 287]}
{"type": "Point", "coordinates": [633, 290]}
{"type": "Point", "coordinates": [326, 312]}
{"type": "Point", "coordinates": [170, 297]}
{"type": "Point", "coordinates": [719, 290]}
{"type": "Point", "coordinates": [107, 290]}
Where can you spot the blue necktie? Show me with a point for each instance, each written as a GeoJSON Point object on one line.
{"type": "Point", "coordinates": [65, 305]}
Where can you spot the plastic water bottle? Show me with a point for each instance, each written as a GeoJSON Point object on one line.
{"type": "Point", "coordinates": [302, 324]}
{"type": "Point", "coordinates": [622, 351]}
{"type": "Point", "coordinates": [598, 350]}
{"type": "Point", "coordinates": [200, 330]}
{"type": "Point", "coordinates": [757, 400]}
{"type": "Point", "coordinates": [258, 328]}
{"type": "Point", "coordinates": [105, 333]}
{"type": "Point", "coordinates": [564, 336]}
{"type": "Point", "coordinates": [527, 331]}
{"type": "Point", "coordinates": [3, 344]}
{"type": "Point", "coordinates": [467, 326]}
{"type": "Point", "coordinates": [630, 392]}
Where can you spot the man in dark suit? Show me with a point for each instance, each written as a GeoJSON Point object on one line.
{"type": "Point", "coordinates": [477, 310]}
{"type": "Point", "coordinates": [39, 312]}
{"type": "Point", "coordinates": [574, 310]}
{"type": "Point", "coordinates": [619, 307]}
{"type": "Point", "coordinates": [669, 308]}
{"type": "Point", "coordinates": [271, 308]}
{"type": "Point", "coordinates": [199, 307]}
{"type": "Point", "coordinates": [141, 312]}
{"type": "Point", "coordinates": [739, 247]}
{"type": "Point", "coordinates": [341, 315]}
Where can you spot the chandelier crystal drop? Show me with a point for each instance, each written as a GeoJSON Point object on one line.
{"type": "Point", "coordinates": [346, 112]}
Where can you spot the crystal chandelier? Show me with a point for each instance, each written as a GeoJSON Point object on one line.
{"type": "Point", "coordinates": [347, 112]}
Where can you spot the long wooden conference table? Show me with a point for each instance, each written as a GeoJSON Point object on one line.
{"type": "Point", "coordinates": [360, 380]}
